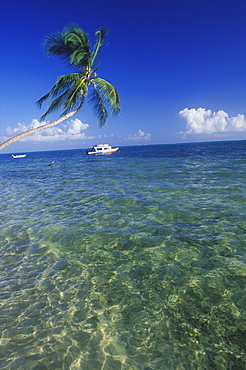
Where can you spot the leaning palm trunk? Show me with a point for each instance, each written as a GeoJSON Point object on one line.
{"type": "Point", "coordinates": [40, 128]}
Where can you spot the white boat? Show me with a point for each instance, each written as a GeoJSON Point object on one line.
{"type": "Point", "coordinates": [102, 149]}
{"type": "Point", "coordinates": [18, 155]}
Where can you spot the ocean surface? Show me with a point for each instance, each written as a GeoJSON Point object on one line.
{"type": "Point", "coordinates": [129, 261]}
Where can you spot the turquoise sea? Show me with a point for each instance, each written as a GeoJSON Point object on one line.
{"type": "Point", "coordinates": [129, 261]}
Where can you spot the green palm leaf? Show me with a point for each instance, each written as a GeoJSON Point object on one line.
{"type": "Point", "coordinates": [70, 89]}
{"type": "Point", "coordinates": [98, 106]}
{"type": "Point", "coordinates": [96, 54]}
{"type": "Point", "coordinates": [74, 96]}
{"type": "Point", "coordinates": [55, 105]}
{"type": "Point", "coordinates": [62, 83]}
{"type": "Point", "coordinates": [108, 93]}
{"type": "Point", "coordinates": [71, 45]}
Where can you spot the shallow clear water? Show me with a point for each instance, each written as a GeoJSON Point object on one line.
{"type": "Point", "coordinates": [135, 260]}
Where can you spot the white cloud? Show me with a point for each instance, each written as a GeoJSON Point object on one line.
{"type": "Point", "coordinates": [202, 121]}
{"type": "Point", "coordinates": [70, 130]}
{"type": "Point", "coordinates": [141, 135]}
{"type": "Point", "coordinates": [76, 126]}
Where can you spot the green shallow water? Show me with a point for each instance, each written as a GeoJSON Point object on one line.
{"type": "Point", "coordinates": [130, 261]}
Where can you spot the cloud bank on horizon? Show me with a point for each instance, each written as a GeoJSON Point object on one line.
{"type": "Point", "coordinates": [202, 121]}
{"type": "Point", "coordinates": [73, 129]}
{"type": "Point", "coordinates": [199, 121]}
{"type": "Point", "coordinates": [140, 135]}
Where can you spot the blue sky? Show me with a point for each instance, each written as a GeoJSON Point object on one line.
{"type": "Point", "coordinates": [178, 65]}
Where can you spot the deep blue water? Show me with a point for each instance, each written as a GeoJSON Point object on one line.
{"type": "Point", "coordinates": [134, 260]}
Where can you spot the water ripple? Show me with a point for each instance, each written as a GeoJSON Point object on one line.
{"type": "Point", "coordinates": [129, 261]}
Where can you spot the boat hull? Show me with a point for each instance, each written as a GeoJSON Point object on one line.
{"type": "Point", "coordinates": [107, 151]}
{"type": "Point", "coordinates": [18, 155]}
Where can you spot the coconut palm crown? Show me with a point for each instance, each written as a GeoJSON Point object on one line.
{"type": "Point", "coordinates": [70, 91]}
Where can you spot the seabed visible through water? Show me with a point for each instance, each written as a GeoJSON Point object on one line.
{"type": "Point", "coordinates": [133, 261]}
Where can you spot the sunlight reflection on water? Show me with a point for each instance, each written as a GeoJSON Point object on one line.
{"type": "Point", "coordinates": [130, 261]}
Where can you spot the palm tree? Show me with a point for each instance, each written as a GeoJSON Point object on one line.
{"type": "Point", "coordinates": [70, 91]}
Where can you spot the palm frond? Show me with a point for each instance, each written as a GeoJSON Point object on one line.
{"type": "Point", "coordinates": [98, 107]}
{"type": "Point", "coordinates": [55, 105]}
{"type": "Point", "coordinates": [54, 44]}
{"type": "Point", "coordinates": [109, 94]}
{"type": "Point", "coordinates": [62, 84]}
{"type": "Point", "coordinates": [70, 90]}
{"type": "Point", "coordinates": [96, 53]}
{"type": "Point", "coordinates": [80, 43]}
{"type": "Point", "coordinates": [71, 45]}
{"type": "Point", "coordinates": [75, 96]}
{"type": "Point", "coordinates": [76, 35]}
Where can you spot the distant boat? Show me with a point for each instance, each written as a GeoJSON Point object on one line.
{"type": "Point", "coordinates": [18, 155]}
{"type": "Point", "coordinates": [102, 149]}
